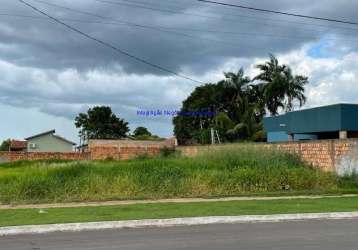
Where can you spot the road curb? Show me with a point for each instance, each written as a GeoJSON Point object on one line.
{"type": "Point", "coordinates": [76, 227]}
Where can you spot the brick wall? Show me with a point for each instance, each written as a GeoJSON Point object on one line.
{"type": "Point", "coordinates": [18, 156]}
{"type": "Point", "coordinates": [122, 153]}
{"type": "Point", "coordinates": [328, 155]}
{"type": "Point", "coordinates": [126, 149]}
{"type": "Point", "coordinates": [339, 156]}
{"type": "Point", "coordinates": [98, 150]}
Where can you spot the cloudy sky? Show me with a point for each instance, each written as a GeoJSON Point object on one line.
{"type": "Point", "coordinates": [48, 74]}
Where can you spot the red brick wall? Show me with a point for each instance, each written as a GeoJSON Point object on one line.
{"type": "Point", "coordinates": [122, 153]}
{"type": "Point", "coordinates": [328, 155]}
{"type": "Point", "coordinates": [126, 149]}
{"type": "Point", "coordinates": [105, 152]}
{"type": "Point", "coordinates": [18, 156]}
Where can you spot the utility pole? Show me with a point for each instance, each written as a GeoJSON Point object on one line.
{"type": "Point", "coordinates": [217, 135]}
{"type": "Point", "coordinates": [212, 136]}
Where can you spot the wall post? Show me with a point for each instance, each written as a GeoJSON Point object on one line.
{"type": "Point", "coordinates": [343, 135]}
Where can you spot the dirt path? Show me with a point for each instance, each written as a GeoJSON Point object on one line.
{"type": "Point", "coordinates": [185, 200]}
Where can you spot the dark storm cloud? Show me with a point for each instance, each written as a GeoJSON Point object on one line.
{"type": "Point", "coordinates": [40, 43]}
{"type": "Point", "coordinates": [46, 67]}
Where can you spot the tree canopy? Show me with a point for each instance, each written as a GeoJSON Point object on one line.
{"type": "Point", "coordinates": [5, 145]}
{"type": "Point", "coordinates": [239, 104]}
{"type": "Point", "coordinates": [101, 123]}
{"type": "Point", "coordinates": [280, 87]}
{"type": "Point", "coordinates": [141, 131]}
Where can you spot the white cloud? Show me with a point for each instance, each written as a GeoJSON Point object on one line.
{"type": "Point", "coordinates": [58, 95]}
{"type": "Point", "coordinates": [332, 80]}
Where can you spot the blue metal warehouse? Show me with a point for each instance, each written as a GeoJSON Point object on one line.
{"type": "Point", "coordinates": [339, 121]}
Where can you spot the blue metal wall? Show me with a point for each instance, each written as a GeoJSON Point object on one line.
{"type": "Point", "coordinates": [339, 117]}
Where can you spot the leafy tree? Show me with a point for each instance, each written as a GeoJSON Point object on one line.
{"type": "Point", "coordinates": [240, 104]}
{"type": "Point", "coordinates": [227, 99]}
{"type": "Point", "coordinates": [238, 84]}
{"type": "Point", "coordinates": [5, 145]}
{"type": "Point", "coordinates": [195, 129]}
{"type": "Point", "coordinates": [101, 123]}
{"type": "Point", "coordinates": [295, 89]}
{"type": "Point", "coordinates": [280, 87]}
{"type": "Point", "coordinates": [141, 131]}
{"type": "Point", "coordinates": [272, 80]}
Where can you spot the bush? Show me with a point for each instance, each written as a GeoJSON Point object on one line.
{"type": "Point", "coordinates": [167, 152]}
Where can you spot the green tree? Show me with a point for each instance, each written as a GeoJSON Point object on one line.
{"type": "Point", "coordinates": [248, 127]}
{"type": "Point", "coordinates": [195, 129]}
{"type": "Point", "coordinates": [141, 131]}
{"type": "Point", "coordinates": [272, 79]}
{"type": "Point", "coordinates": [101, 123]}
{"type": "Point", "coordinates": [240, 104]}
{"type": "Point", "coordinates": [295, 89]}
{"type": "Point", "coordinates": [228, 99]}
{"type": "Point", "coordinates": [237, 83]}
{"type": "Point", "coordinates": [5, 145]}
{"type": "Point", "coordinates": [280, 88]}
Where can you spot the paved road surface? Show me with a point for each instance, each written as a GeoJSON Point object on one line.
{"type": "Point", "coordinates": [327, 235]}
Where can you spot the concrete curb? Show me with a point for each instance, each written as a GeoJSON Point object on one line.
{"type": "Point", "coordinates": [76, 227]}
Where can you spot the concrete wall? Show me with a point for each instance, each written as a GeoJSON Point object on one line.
{"type": "Point", "coordinates": [339, 156]}
{"type": "Point", "coordinates": [49, 143]}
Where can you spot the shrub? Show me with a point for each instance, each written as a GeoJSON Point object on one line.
{"type": "Point", "coordinates": [167, 152]}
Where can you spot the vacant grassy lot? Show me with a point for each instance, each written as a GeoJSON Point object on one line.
{"type": "Point", "coordinates": [174, 210]}
{"type": "Point", "coordinates": [228, 171]}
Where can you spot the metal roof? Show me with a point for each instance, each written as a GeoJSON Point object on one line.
{"type": "Point", "coordinates": [337, 117]}
{"type": "Point", "coordinates": [52, 132]}
{"type": "Point", "coordinates": [41, 134]}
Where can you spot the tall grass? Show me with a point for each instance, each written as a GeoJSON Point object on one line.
{"type": "Point", "coordinates": [226, 171]}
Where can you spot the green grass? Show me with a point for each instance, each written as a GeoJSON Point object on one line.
{"type": "Point", "coordinates": [242, 169]}
{"type": "Point", "coordinates": [174, 210]}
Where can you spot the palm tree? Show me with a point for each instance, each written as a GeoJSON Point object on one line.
{"type": "Point", "coordinates": [269, 69]}
{"type": "Point", "coordinates": [272, 81]}
{"type": "Point", "coordinates": [238, 83]}
{"type": "Point", "coordinates": [295, 89]}
{"type": "Point", "coordinates": [279, 85]}
{"type": "Point", "coordinates": [247, 127]}
{"type": "Point", "coordinates": [243, 118]}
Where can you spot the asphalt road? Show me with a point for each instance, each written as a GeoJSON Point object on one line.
{"type": "Point", "coordinates": [327, 235]}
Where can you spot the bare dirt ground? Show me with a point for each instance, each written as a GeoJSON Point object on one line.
{"type": "Point", "coordinates": [184, 200]}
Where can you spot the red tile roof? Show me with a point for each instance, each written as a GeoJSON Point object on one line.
{"type": "Point", "coordinates": [18, 144]}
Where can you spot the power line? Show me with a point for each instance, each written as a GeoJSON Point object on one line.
{"type": "Point", "coordinates": [129, 3]}
{"type": "Point", "coordinates": [168, 29]}
{"type": "Point", "coordinates": [171, 30]}
{"type": "Point", "coordinates": [155, 28]}
{"type": "Point", "coordinates": [161, 28]}
{"type": "Point", "coordinates": [280, 12]}
{"type": "Point", "coordinates": [108, 45]}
